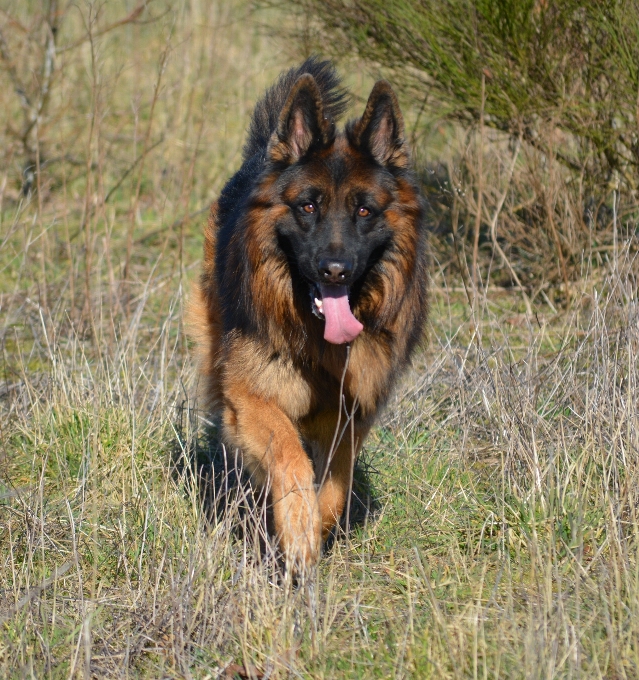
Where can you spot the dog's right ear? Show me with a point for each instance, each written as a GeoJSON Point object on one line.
{"type": "Point", "coordinates": [301, 124]}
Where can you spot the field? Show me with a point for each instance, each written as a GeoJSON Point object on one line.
{"type": "Point", "coordinates": [494, 529]}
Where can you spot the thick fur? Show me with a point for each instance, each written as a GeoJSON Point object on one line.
{"type": "Point", "coordinates": [308, 194]}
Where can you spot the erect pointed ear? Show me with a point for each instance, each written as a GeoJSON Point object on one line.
{"type": "Point", "coordinates": [380, 130]}
{"type": "Point", "coordinates": [301, 124]}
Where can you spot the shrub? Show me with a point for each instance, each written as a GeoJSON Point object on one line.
{"type": "Point", "coordinates": [562, 76]}
{"type": "Point", "coordinates": [574, 63]}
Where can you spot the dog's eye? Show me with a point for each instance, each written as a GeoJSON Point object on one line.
{"type": "Point", "coordinates": [309, 208]}
{"type": "Point", "coordinates": [363, 211]}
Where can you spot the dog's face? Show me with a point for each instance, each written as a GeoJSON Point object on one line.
{"type": "Point", "coordinates": [336, 220]}
{"type": "Point", "coordinates": [339, 191]}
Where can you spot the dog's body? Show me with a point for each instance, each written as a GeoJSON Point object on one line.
{"type": "Point", "coordinates": [318, 243]}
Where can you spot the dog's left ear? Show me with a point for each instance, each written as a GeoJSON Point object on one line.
{"type": "Point", "coordinates": [380, 130]}
{"type": "Point", "coordinates": [301, 124]}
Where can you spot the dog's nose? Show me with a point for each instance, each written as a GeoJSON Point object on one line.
{"type": "Point", "coordinates": [335, 271]}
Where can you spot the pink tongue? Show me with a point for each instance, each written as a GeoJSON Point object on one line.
{"type": "Point", "coordinates": [341, 325]}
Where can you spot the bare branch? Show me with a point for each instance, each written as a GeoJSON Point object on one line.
{"type": "Point", "coordinates": [14, 22]}
{"type": "Point", "coordinates": [13, 74]}
{"type": "Point", "coordinates": [37, 590]}
{"type": "Point", "coordinates": [48, 67]}
{"type": "Point", "coordinates": [129, 19]}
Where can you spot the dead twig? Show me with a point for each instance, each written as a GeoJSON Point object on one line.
{"type": "Point", "coordinates": [132, 17]}
{"type": "Point", "coordinates": [480, 191]}
{"type": "Point", "coordinates": [130, 169]}
{"type": "Point", "coordinates": [459, 252]}
{"type": "Point", "coordinates": [136, 198]}
{"type": "Point", "coordinates": [174, 225]}
{"type": "Point", "coordinates": [34, 107]}
{"type": "Point", "coordinates": [35, 591]}
{"type": "Point", "coordinates": [493, 228]}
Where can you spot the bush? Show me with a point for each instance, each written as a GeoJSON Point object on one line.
{"type": "Point", "coordinates": [561, 76]}
{"type": "Point", "coordinates": [574, 63]}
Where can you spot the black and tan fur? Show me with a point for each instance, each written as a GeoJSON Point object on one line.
{"type": "Point", "coordinates": [265, 366]}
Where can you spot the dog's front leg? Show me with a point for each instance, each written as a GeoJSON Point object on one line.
{"type": "Point", "coordinates": [337, 449]}
{"type": "Point", "coordinates": [338, 477]}
{"type": "Point", "coordinates": [272, 449]}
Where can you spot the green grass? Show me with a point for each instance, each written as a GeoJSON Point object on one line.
{"type": "Point", "coordinates": [479, 561]}
{"type": "Point", "coordinates": [502, 478]}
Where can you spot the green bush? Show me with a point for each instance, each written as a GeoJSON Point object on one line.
{"type": "Point", "coordinates": [574, 64]}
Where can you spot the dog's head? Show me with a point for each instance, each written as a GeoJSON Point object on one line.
{"type": "Point", "coordinates": [340, 195]}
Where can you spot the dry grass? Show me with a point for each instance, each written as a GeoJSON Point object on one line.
{"type": "Point", "coordinates": [503, 538]}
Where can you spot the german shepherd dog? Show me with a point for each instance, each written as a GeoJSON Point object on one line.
{"type": "Point", "coordinates": [313, 295]}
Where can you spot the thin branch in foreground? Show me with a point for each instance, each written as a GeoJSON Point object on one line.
{"type": "Point", "coordinates": [36, 590]}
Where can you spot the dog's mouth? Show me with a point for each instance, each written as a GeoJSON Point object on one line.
{"type": "Point", "coordinates": [331, 303]}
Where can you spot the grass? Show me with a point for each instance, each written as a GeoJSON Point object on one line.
{"type": "Point", "coordinates": [502, 539]}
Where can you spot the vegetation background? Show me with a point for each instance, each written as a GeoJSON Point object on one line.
{"type": "Point", "coordinates": [494, 528]}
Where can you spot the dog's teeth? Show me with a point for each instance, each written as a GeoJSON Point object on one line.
{"type": "Point", "coordinates": [318, 304]}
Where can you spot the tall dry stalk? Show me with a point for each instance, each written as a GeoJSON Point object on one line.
{"type": "Point", "coordinates": [145, 146]}
{"type": "Point", "coordinates": [480, 193]}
